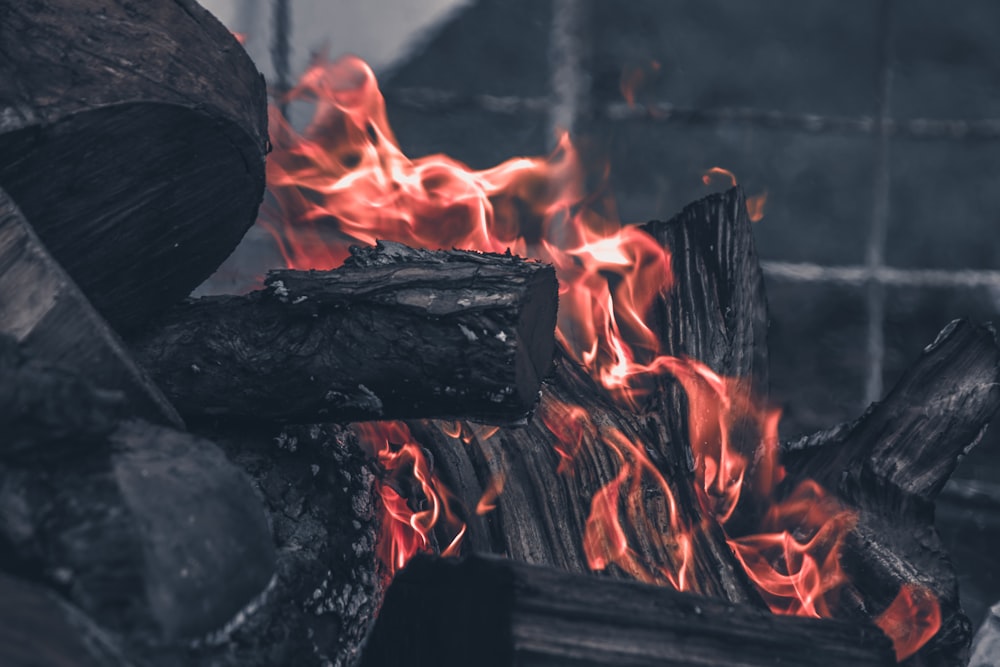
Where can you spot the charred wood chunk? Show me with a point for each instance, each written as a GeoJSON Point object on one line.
{"type": "Point", "coordinates": [493, 612]}
{"type": "Point", "coordinates": [38, 629]}
{"type": "Point", "coordinates": [159, 539]}
{"type": "Point", "coordinates": [44, 311]}
{"type": "Point", "coordinates": [394, 333]}
{"type": "Point", "coordinates": [891, 464]}
{"type": "Point", "coordinates": [133, 136]}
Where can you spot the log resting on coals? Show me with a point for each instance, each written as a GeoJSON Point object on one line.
{"type": "Point", "coordinates": [133, 135]}
{"type": "Point", "coordinates": [891, 464]}
{"type": "Point", "coordinates": [495, 613]}
{"type": "Point", "coordinates": [394, 333]}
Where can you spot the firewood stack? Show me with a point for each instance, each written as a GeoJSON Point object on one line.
{"type": "Point", "coordinates": [178, 481]}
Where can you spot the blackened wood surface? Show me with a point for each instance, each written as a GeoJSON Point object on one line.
{"type": "Point", "coordinates": [892, 462]}
{"type": "Point", "coordinates": [394, 333]}
{"type": "Point", "coordinates": [133, 136]}
{"type": "Point", "coordinates": [495, 613]}
{"type": "Point", "coordinates": [541, 513]}
{"type": "Point", "coordinates": [43, 310]}
{"type": "Point", "coordinates": [37, 629]}
{"type": "Point", "coordinates": [157, 537]}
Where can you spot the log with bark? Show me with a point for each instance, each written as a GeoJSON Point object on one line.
{"type": "Point", "coordinates": [717, 313]}
{"type": "Point", "coordinates": [493, 612]}
{"type": "Point", "coordinates": [43, 309]}
{"type": "Point", "coordinates": [133, 135]}
{"type": "Point", "coordinates": [394, 333]}
{"type": "Point", "coordinates": [891, 464]}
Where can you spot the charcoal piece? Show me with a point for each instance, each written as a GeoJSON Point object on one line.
{"type": "Point", "coordinates": [394, 333]}
{"type": "Point", "coordinates": [39, 629]}
{"type": "Point", "coordinates": [45, 312]}
{"type": "Point", "coordinates": [133, 135]}
{"type": "Point", "coordinates": [891, 464]}
{"type": "Point", "coordinates": [159, 539]}
{"type": "Point", "coordinates": [493, 612]}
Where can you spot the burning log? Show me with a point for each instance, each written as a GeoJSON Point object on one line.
{"type": "Point", "coordinates": [394, 333]}
{"type": "Point", "coordinates": [891, 464]}
{"type": "Point", "coordinates": [580, 441]}
{"type": "Point", "coordinates": [133, 137]}
{"type": "Point", "coordinates": [492, 612]}
{"type": "Point", "coordinates": [42, 309]}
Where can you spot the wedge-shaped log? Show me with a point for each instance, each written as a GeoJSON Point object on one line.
{"type": "Point", "coordinates": [891, 464]}
{"type": "Point", "coordinates": [42, 309]}
{"type": "Point", "coordinates": [493, 612]}
{"type": "Point", "coordinates": [394, 333]}
{"type": "Point", "coordinates": [133, 136]}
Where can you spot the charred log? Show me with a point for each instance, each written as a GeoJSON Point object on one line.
{"type": "Point", "coordinates": [542, 512]}
{"type": "Point", "coordinates": [493, 612]}
{"type": "Point", "coordinates": [891, 464]}
{"type": "Point", "coordinates": [140, 161]}
{"type": "Point", "coordinates": [37, 629]}
{"type": "Point", "coordinates": [45, 312]}
{"type": "Point", "coordinates": [394, 333]}
{"type": "Point", "coordinates": [142, 539]}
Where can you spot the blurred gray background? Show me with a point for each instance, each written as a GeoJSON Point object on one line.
{"type": "Point", "coordinates": [872, 125]}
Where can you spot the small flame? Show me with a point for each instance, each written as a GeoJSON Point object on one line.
{"type": "Point", "coordinates": [488, 502]}
{"type": "Point", "coordinates": [241, 38]}
{"type": "Point", "coordinates": [344, 180]}
{"type": "Point", "coordinates": [755, 206]}
{"type": "Point", "coordinates": [911, 620]}
{"type": "Point", "coordinates": [633, 78]}
{"type": "Point", "coordinates": [707, 177]}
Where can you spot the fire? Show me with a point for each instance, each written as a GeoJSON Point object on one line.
{"type": "Point", "coordinates": [755, 203]}
{"type": "Point", "coordinates": [633, 78]}
{"type": "Point", "coordinates": [344, 180]}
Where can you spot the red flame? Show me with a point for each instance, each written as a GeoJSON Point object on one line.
{"type": "Point", "coordinates": [755, 203]}
{"type": "Point", "coordinates": [911, 620]}
{"type": "Point", "coordinates": [634, 77]}
{"type": "Point", "coordinates": [345, 181]}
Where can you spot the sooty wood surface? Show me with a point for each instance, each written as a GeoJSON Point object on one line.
{"type": "Point", "coordinates": [394, 333]}
{"type": "Point", "coordinates": [891, 464]}
{"type": "Point", "coordinates": [44, 311]}
{"type": "Point", "coordinates": [133, 136]}
{"type": "Point", "coordinates": [495, 613]}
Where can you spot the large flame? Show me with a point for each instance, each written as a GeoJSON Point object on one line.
{"type": "Point", "coordinates": [344, 180]}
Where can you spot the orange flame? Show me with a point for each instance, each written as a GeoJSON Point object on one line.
{"type": "Point", "coordinates": [488, 502]}
{"type": "Point", "coordinates": [633, 78]}
{"type": "Point", "coordinates": [706, 178]}
{"type": "Point", "coordinates": [755, 206]}
{"type": "Point", "coordinates": [911, 620]}
{"type": "Point", "coordinates": [344, 180]}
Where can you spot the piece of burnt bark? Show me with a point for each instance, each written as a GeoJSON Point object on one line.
{"type": "Point", "coordinates": [493, 613]}
{"type": "Point", "coordinates": [158, 538]}
{"type": "Point", "coordinates": [394, 333]}
{"type": "Point", "coordinates": [317, 487]}
{"type": "Point", "coordinates": [43, 310]}
{"type": "Point", "coordinates": [38, 629]}
{"type": "Point", "coordinates": [891, 464]}
{"type": "Point", "coordinates": [133, 135]}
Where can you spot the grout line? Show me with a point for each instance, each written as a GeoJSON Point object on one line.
{"type": "Point", "coordinates": [860, 276]}
{"type": "Point", "coordinates": [568, 78]}
{"type": "Point", "coordinates": [875, 252]}
{"type": "Point", "coordinates": [433, 100]}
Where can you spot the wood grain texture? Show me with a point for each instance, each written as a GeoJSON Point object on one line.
{"type": "Point", "coordinates": [494, 613]}
{"type": "Point", "coordinates": [133, 136]}
{"type": "Point", "coordinates": [394, 333]}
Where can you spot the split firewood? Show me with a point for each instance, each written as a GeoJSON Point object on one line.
{"type": "Point", "coordinates": [891, 464]}
{"type": "Point", "coordinates": [43, 310]}
{"type": "Point", "coordinates": [394, 333]}
{"type": "Point", "coordinates": [494, 613]}
{"type": "Point", "coordinates": [38, 629]}
{"type": "Point", "coordinates": [132, 135]}
{"type": "Point", "coordinates": [717, 313]}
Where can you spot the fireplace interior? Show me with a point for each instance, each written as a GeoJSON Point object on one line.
{"type": "Point", "coordinates": [389, 428]}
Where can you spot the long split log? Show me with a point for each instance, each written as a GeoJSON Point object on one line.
{"type": "Point", "coordinates": [43, 309]}
{"type": "Point", "coordinates": [891, 464]}
{"type": "Point", "coordinates": [541, 514]}
{"type": "Point", "coordinates": [495, 613]}
{"type": "Point", "coordinates": [394, 333]}
{"type": "Point", "coordinates": [133, 136]}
